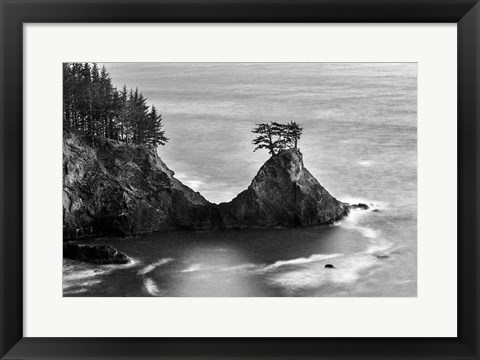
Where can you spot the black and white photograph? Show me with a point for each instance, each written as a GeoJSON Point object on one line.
{"type": "Point", "coordinates": [239, 179]}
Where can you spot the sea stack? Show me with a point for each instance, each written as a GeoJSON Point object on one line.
{"type": "Point", "coordinates": [283, 193]}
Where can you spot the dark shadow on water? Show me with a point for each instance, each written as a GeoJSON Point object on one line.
{"type": "Point", "coordinates": [222, 263]}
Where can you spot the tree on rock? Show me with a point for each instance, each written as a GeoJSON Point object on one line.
{"type": "Point", "coordinates": [294, 131]}
{"type": "Point", "coordinates": [276, 137]}
{"type": "Point", "coordinates": [266, 138]}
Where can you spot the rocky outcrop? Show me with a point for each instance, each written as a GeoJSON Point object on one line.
{"type": "Point", "coordinates": [115, 188]}
{"type": "Point", "coordinates": [97, 254]}
{"type": "Point", "coordinates": [359, 206]}
{"type": "Point", "coordinates": [123, 189]}
{"type": "Point", "coordinates": [283, 193]}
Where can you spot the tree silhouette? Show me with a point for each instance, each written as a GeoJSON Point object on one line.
{"type": "Point", "coordinates": [265, 139]}
{"type": "Point", "coordinates": [294, 131]}
{"type": "Point", "coordinates": [91, 104]}
{"type": "Point", "coordinates": [156, 136]}
{"type": "Point", "coordinates": [276, 137]}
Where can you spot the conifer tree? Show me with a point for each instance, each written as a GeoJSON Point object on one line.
{"type": "Point", "coordinates": [155, 133]}
{"type": "Point", "coordinates": [277, 137]}
{"type": "Point", "coordinates": [122, 122]}
{"type": "Point", "coordinates": [265, 139]}
{"type": "Point", "coordinates": [92, 105]}
{"type": "Point", "coordinates": [86, 105]}
{"type": "Point", "coordinates": [294, 131]}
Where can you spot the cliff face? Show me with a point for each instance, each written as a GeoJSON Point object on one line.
{"type": "Point", "coordinates": [283, 193]}
{"type": "Point", "coordinates": [124, 189]}
{"type": "Point", "coordinates": [119, 189]}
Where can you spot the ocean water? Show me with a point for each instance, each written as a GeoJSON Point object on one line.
{"type": "Point", "coordinates": [359, 141]}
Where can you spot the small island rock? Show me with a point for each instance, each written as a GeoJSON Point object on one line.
{"type": "Point", "coordinates": [283, 193]}
{"type": "Point", "coordinates": [97, 254]}
{"type": "Point", "coordinates": [360, 206]}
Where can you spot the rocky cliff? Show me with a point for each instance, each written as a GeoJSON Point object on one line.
{"type": "Point", "coordinates": [118, 189]}
{"type": "Point", "coordinates": [115, 188]}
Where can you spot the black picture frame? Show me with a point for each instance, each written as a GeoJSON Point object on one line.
{"type": "Point", "coordinates": [14, 13]}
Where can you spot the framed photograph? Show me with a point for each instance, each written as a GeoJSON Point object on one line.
{"type": "Point", "coordinates": [239, 179]}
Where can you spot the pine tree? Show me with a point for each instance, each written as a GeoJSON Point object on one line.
{"type": "Point", "coordinates": [122, 120]}
{"type": "Point", "coordinates": [76, 91]}
{"type": "Point", "coordinates": [92, 105]}
{"type": "Point", "coordinates": [156, 136]}
{"type": "Point", "coordinates": [277, 137]}
{"type": "Point", "coordinates": [106, 102]}
{"type": "Point", "coordinates": [85, 101]}
{"type": "Point", "coordinates": [265, 139]}
{"type": "Point", "coordinates": [294, 132]}
{"type": "Point", "coordinates": [68, 86]}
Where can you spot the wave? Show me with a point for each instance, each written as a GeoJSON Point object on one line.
{"type": "Point", "coordinates": [300, 261]}
{"type": "Point", "coordinates": [77, 274]}
{"type": "Point", "coordinates": [372, 204]}
{"type": "Point", "coordinates": [80, 274]}
{"type": "Point", "coordinates": [380, 247]}
{"type": "Point", "coordinates": [365, 162]}
{"type": "Point", "coordinates": [153, 266]}
{"type": "Point", "coordinates": [192, 268]}
{"type": "Point", "coordinates": [352, 221]}
{"type": "Point", "coordinates": [72, 292]}
{"type": "Point", "coordinates": [347, 272]}
{"type": "Point", "coordinates": [152, 288]}
{"type": "Point", "coordinates": [263, 268]}
{"type": "Point", "coordinates": [133, 262]}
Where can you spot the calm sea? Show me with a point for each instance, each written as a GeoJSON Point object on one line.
{"type": "Point", "coordinates": [360, 142]}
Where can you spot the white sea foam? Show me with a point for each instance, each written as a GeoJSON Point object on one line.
{"type": "Point", "coordinates": [75, 275]}
{"type": "Point", "coordinates": [245, 267]}
{"type": "Point", "coordinates": [352, 222]}
{"type": "Point", "coordinates": [300, 261]}
{"type": "Point", "coordinates": [379, 247]}
{"type": "Point", "coordinates": [404, 282]}
{"type": "Point", "coordinates": [192, 268]}
{"type": "Point", "coordinates": [152, 288]}
{"type": "Point", "coordinates": [78, 291]}
{"type": "Point", "coordinates": [368, 232]}
{"type": "Point", "coordinates": [372, 204]}
{"type": "Point", "coordinates": [67, 285]}
{"type": "Point", "coordinates": [365, 163]}
{"type": "Point", "coordinates": [82, 274]}
{"type": "Point", "coordinates": [263, 268]}
{"type": "Point", "coordinates": [153, 266]}
{"type": "Point", "coordinates": [89, 283]}
{"type": "Point", "coordinates": [346, 272]}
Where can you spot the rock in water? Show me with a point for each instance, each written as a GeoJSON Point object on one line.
{"type": "Point", "coordinates": [283, 193]}
{"type": "Point", "coordinates": [360, 206]}
{"type": "Point", "coordinates": [113, 188]}
{"type": "Point", "coordinates": [97, 254]}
